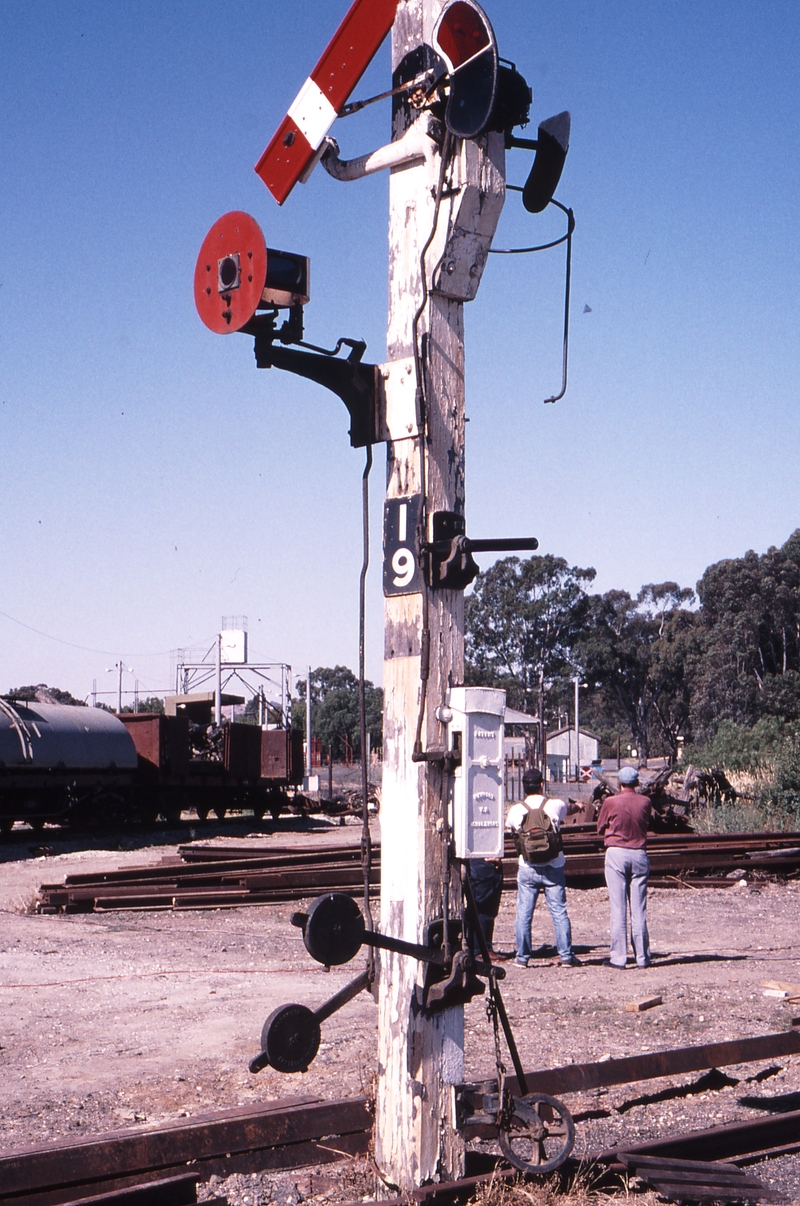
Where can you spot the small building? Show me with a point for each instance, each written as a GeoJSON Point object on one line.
{"type": "Point", "coordinates": [561, 754]}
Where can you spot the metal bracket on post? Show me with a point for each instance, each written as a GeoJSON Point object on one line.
{"type": "Point", "coordinates": [448, 555]}
{"type": "Point", "coordinates": [355, 383]}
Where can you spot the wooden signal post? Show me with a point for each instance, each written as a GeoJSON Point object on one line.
{"type": "Point", "coordinates": [446, 193]}
{"type": "Point", "coordinates": [420, 1057]}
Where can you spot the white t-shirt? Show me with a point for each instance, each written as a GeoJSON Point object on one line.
{"type": "Point", "coordinates": [556, 810]}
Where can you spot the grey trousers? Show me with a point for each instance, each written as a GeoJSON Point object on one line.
{"type": "Point", "coordinates": [626, 879]}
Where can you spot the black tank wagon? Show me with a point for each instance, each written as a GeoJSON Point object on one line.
{"type": "Point", "coordinates": [85, 766]}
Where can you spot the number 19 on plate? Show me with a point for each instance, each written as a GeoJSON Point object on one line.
{"type": "Point", "coordinates": [401, 571]}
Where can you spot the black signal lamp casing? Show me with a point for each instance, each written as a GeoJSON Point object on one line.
{"type": "Point", "coordinates": [548, 163]}
{"type": "Point", "coordinates": [236, 274]}
{"type": "Point", "coordinates": [473, 93]}
{"type": "Point", "coordinates": [288, 279]}
{"type": "Point", "coordinates": [513, 102]}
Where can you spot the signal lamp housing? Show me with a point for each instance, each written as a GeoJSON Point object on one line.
{"type": "Point", "coordinates": [465, 40]}
{"type": "Point", "coordinates": [237, 274]}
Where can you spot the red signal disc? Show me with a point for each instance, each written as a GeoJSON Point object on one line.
{"type": "Point", "coordinates": [462, 32]}
{"type": "Point", "coordinates": [230, 273]}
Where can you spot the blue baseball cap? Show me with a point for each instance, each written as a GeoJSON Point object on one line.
{"type": "Point", "coordinates": [628, 776]}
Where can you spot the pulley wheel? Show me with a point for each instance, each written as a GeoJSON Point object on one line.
{"type": "Point", "coordinates": [539, 1135]}
{"type": "Point", "coordinates": [334, 931]}
{"type": "Point", "coordinates": [290, 1038]}
{"type": "Point", "coordinates": [230, 273]}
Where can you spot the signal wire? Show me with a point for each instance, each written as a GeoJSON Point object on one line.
{"type": "Point", "coordinates": [366, 842]}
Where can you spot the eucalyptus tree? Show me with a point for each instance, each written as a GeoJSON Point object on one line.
{"type": "Point", "coordinates": [523, 620]}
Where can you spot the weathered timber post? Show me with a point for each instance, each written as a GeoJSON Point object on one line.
{"type": "Point", "coordinates": [421, 1057]}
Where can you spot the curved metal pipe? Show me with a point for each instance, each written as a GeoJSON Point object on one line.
{"type": "Point", "coordinates": [415, 144]}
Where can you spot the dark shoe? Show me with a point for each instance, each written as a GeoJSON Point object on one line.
{"type": "Point", "coordinates": [573, 962]}
{"type": "Point", "coordinates": [499, 957]}
{"type": "Point", "coordinates": [617, 966]}
{"type": "Point", "coordinates": [642, 966]}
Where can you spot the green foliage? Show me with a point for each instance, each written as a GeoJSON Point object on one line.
{"type": "Point", "coordinates": [522, 621]}
{"type": "Point", "coordinates": [741, 817]}
{"type": "Point", "coordinates": [725, 674]}
{"type": "Point", "coordinates": [41, 693]}
{"type": "Point", "coordinates": [151, 703]}
{"type": "Point", "coordinates": [334, 709]}
{"type": "Point", "coordinates": [750, 614]}
{"type": "Point", "coordinates": [634, 652]}
{"type": "Point", "coordinates": [737, 747]}
{"type": "Point", "coordinates": [766, 759]}
{"type": "Point", "coordinates": [780, 796]}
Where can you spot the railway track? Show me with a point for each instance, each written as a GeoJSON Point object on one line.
{"type": "Point", "coordinates": [275, 1135]}
{"type": "Point", "coordinates": [213, 876]}
{"type": "Point", "coordinates": [148, 1167]}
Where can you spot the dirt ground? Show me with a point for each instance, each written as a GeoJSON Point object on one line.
{"type": "Point", "coordinates": [122, 1018]}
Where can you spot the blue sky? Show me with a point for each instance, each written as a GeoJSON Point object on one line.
{"type": "Point", "coordinates": [152, 480]}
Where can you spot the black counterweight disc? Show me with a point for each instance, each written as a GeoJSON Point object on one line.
{"type": "Point", "coordinates": [290, 1038]}
{"type": "Point", "coordinates": [334, 929]}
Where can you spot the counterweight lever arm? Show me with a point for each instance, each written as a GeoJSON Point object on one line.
{"type": "Point", "coordinates": [334, 932]}
{"type": "Point", "coordinates": [291, 1035]}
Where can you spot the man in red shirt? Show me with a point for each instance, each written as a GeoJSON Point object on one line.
{"type": "Point", "coordinates": [623, 823]}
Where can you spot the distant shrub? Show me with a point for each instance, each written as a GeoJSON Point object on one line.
{"type": "Point", "coordinates": [763, 764]}
{"type": "Point", "coordinates": [779, 797]}
{"type": "Point", "coordinates": [735, 747]}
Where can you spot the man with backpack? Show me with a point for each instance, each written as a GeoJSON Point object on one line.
{"type": "Point", "coordinates": [535, 824]}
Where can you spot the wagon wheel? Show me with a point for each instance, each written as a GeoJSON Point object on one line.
{"type": "Point", "coordinates": [536, 1133]}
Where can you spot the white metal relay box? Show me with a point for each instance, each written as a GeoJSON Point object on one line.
{"type": "Point", "coordinates": [474, 720]}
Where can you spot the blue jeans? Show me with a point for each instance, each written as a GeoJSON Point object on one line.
{"type": "Point", "coordinates": [626, 879]}
{"type": "Point", "coordinates": [486, 881]}
{"type": "Point", "coordinates": [531, 880]}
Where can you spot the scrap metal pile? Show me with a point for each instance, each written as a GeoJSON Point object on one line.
{"type": "Point", "coordinates": [210, 876]}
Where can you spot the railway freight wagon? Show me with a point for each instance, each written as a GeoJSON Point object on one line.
{"type": "Point", "coordinates": [238, 766]}
{"type": "Point", "coordinates": [86, 766]}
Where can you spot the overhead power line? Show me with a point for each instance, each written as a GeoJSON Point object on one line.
{"type": "Point", "coordinates": [85, 648]}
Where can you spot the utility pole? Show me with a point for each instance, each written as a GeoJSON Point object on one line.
{"type": "Point", "coordinates": [421, 1057]}
{"type": "Point", "coordinates": [577, 681]}
{"type": "Point", "coordinates": [218, 692]}
{"type": "Point", "coordinates": [309, 765]}
{"type": "Point", "coordinates": [119, 667]}
{"type": "Point", "coordinates": [542, 733]}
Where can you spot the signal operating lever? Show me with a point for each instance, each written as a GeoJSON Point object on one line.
{"type": "Point", "coordinates": [449, 554]}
